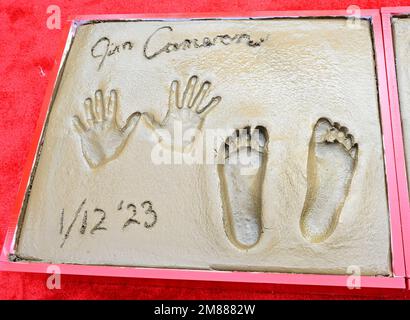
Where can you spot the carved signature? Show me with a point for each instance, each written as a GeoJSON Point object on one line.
{"type": "Point", "coordinates": [194, 43]}
{"type": "Point", "coordinates": [104, 48]}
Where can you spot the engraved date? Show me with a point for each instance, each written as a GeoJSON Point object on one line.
{"type": "Point", "coordinates": [143, 215]}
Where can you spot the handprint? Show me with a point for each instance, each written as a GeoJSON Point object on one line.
{"type": "Point", "coordinates": [185, 114]}
{"type": "Point", "coordinates": [101, 137]}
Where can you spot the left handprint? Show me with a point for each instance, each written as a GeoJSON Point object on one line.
{"type": "Point", "coordinates": [101, 137]}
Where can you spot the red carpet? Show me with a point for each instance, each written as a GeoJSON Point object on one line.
{"type": "Point", "coordinates": [27, 50]}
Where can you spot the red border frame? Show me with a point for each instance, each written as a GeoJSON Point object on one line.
{"type": "Point", "coordinates": [397, 281]}
{"type": "Point", "coordinates": [387, 14]}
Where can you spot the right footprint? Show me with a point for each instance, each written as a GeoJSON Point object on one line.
{"type": "Point", "coordinates": [331, 162]}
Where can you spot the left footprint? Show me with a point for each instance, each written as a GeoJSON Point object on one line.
{"type": "Point", "coordinates": [241, 177]}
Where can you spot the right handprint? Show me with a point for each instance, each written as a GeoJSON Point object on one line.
{"type": "Point", "coordinates": [186, 114]}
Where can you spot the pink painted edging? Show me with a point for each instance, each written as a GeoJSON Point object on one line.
{"type": "Point", "coordinates": [387, 14]}
{"type": "Point", "coordinates": [397, 281]}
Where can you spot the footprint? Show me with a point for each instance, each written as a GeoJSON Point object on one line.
{"type": "Point", "coordinates": [241, 175]}
{"type": "Point", "coordinates": [331, 162]}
